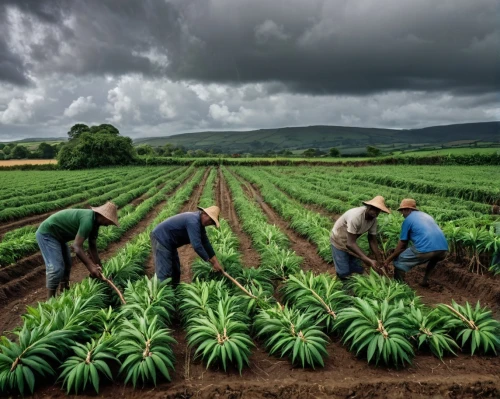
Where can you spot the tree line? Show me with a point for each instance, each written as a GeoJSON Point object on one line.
{"type": "Point", "coordinates": [21, 151]}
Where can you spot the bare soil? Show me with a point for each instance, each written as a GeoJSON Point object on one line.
{"type": "Point", "coordinates": [344, 375]}
{"type": "Point", "coordinates": [14, 162]}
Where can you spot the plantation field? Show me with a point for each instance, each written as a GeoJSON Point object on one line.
{"type": "Point", "coordinates": [295, 332]}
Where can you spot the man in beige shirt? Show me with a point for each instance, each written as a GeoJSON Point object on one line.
{"type": "Point", "coordinates": [346, 231]}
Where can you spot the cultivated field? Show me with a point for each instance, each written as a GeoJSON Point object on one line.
{"type": "Point", "coordinates": [15, 162]}
{"type": "Point", "coordinates": [377, 339]}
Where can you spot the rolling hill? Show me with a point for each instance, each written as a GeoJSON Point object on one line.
{"type": "Point", "coordinates": [346, 139]}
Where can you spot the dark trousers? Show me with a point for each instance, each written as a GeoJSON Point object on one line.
{"type": "Point", "coordinates": [167, 264]}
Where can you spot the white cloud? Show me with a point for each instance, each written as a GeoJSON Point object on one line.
{"type": "Point", "coordinates": [79, 106]}
{"type": "Point", "coordinates": [220, 112]}
{"type": "Point", "coordinates": [268, 31]}
{"type": "Point", "coordinates": [20, 110]}
{"type": "Point", "coordinates": [120, 105]}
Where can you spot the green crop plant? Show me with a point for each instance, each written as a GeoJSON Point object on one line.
{"type": "Point", "coordinates": [289, 332]}
{"type": "Point", "coordinates": [378, 330]}
{"type": "Point", "coordinates": [149, 297]}
{"type": "Point", "coordinates": [258, 278]}
{"type": "Point", "coordinates": [375, 286]}
{"type": "Point", "coordinates": [321, 296]}
{"type": "Point", "coordinates": [88, 364]}
{"type": "Point", "coordinates": [145, 350]}
{"type": "Point", "coordinates": [279, 262]}
{"type": "Point", "coordinates": [220, 337]}
{"type": "Point", "coordinates": [106, 321]}
{"type": "Point", "coordinates": [196, 298]}
{"type": "Point", "coordinates": [429, 331]}
{"type": "Point", "coordinates": [472, 327]}
{"type": "Point", "coordinates": [28, 361]}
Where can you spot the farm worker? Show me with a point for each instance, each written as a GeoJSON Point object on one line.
{"type": "Point", "coordinates": [177, 231]}
{"type": "Point", "coordinates": [72, 224]}
{"type": "Point", "coordinates": [346, 231]}
{"type": "Point", "coordinates": [429, 243]}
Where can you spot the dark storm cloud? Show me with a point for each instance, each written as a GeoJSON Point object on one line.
{"type": "Point", "coordinates": [344, 46]}
{"type": "Point", "coordinates": [313, 46]}
{"type": "Point", "coordinates": [11, 66]}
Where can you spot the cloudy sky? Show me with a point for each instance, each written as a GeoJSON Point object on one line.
{"type": "Point", "coordinates": [162, 67]}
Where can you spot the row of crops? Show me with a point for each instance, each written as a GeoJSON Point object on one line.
{"type": "Point", "coordinates": [470, 227]}
{"type": "Point", "coordinates": [85, 336]}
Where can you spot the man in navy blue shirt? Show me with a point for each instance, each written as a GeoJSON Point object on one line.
{"type": "Point", "coordinates": [179, 230]}
{"type": "Point", "coordinates": [429, 243]}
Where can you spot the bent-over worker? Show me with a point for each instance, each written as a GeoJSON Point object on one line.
{"type": "Point", "coordinates": [179, 230]}
{"type": "Point", "coordinates": [346, 231]}
{"type": "Point", "coordinates": [429, 242]}
{"type": "Point", "coordinates": [72, 224]}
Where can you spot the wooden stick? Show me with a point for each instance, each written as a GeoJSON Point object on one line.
{"type": "Point", "coordinates": [238, 285]}
{"type": "Point", "coordinates": [114, 287]}
{"type": "Point", "coordinates": [470, 323]}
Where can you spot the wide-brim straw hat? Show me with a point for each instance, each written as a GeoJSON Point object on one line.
{"type": "Point", "coordinates": [379, 203]}
{"type": "Point", "coordinates": [109, 211]}
{"type": "Point", "coordinates": [213, 212]}
{"type": "Point", "coordinates": [408, 203]}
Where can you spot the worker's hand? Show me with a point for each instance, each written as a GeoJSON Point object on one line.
{"type": "Point", "coordinates": [373, 263]}
{"type": "Point", "coordinates": [217, 266]}
{"type": "Point", "coordinates": [95, 272]}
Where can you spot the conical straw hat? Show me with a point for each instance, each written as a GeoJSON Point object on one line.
{"type": "Point", "coordinates": [379, 203]}
{"type": "Point", "coordinates": [408, 203]}
{"type": "Point", "coordinates": [109, 211]}
{"type": "Point", "coordinates": [213, 212]}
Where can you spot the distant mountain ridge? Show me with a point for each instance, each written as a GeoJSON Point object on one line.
{"type": "Point", "coordinates": [346, 139]}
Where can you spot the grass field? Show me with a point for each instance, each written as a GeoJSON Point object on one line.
{"type": "Point", "coordinates": [452, 151]}
{"type": "Point", "coordinates": [274, 239]}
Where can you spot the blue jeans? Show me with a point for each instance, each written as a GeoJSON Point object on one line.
{"type": "Point", "coordinates": [57, 258]}
{"type": "Point", "coordinates": [167, 263]}
{"type": "Point", "coordinates": [345, 263]}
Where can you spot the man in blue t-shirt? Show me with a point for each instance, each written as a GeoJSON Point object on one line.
{"type": "Point", "coordinates": [429, 243]}
{"type": "Point", "coordinates": [179, 230]}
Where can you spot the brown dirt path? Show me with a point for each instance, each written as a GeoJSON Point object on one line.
{"type": "Point", "coordinates": [301, 246]}
{"type": "Point", "coordinates": [250, 256]}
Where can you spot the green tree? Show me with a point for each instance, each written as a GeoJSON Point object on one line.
{"type": "Point", "coordinates": [178, 152]}
{"type": "Point", "coordinates": [77, 130]}
{"type": "Point", "coordinates": [46, 151]}
{"type": "Point", "coordinates": [2, 145]}
{"type": "Point", "coordinates": [334, 152]}
{"type": "Point", "coordinates": [309, 153]}
{"type": "Point", "coordinates": [145, 149]}
{"type": "Point", "coordinates": [6, 150]}
{"type": "Point", "coordinates": [105, 128]}
{"type": "Point", "coordinates": [168, 149]}
{"type": "Point", "coordinates": [200, 154]}
{"type": "Point", "coordinates": [20, 152]}
{"type": "Point", "coordinates": [101, 148]}
{"type": "Point", "coordinates": [373, 151]}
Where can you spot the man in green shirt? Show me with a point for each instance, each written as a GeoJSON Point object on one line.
{"type": "Point", "coordinates": [72, 224]}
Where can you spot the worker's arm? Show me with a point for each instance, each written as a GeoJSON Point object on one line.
{"type": "Point", "coordinates": [353, 246]}
{"type": "Point", "coordinates": [195, 233]}
{"type": "Point", "coordinates": [80, 253]}
{"type": "Point", "coordinates": [372, 240]}
{"type": "Point", "coordinates": [93, 251]}
{"type": "Point", "coordinates": [402, 245]}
